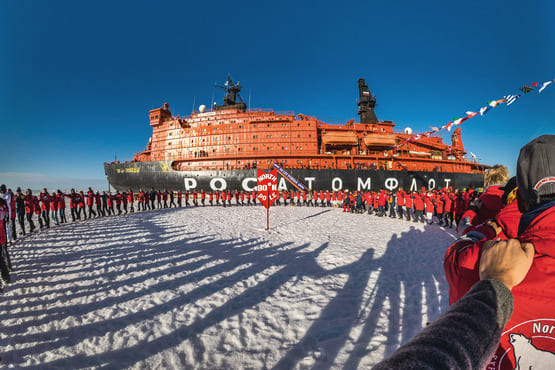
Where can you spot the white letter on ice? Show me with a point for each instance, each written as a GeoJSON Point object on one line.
{"type": "Point", "coordinates": [413, 186]}
{"type": "Point", "coordinates": [391, 183]}
{"type": "Point", "coordinates": [363, 185]}
{"type": "Point", "coordinates": [245, 183]}
{"type": "Point", "coordinates": [309, 181]}
{"type": "Point", "coordinates": [190, 183]}
{"type": "Point", "coordinates": [282, 185]}
{"type": "Point", "coordinates": [222, 182]}
{"type": "Point", "coordinates": [338, 187]}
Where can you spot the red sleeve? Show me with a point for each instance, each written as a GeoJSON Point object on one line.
{"type": "Point", "coordinates": [461, 261]}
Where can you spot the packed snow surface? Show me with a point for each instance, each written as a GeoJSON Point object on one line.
{"type": "Point", "coordinates": [210, 288]}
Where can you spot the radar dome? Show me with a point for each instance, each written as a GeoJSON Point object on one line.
{"type": "Point", "coordinates": [202, 108]}
{"type": "Point", "coordinates": [408, 131]}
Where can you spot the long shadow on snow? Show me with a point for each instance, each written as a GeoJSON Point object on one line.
{"type": "Point", "coordinates": [412, 261]}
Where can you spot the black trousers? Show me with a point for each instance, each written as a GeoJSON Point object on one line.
{"type": "Point", "coordinates": [91, 212]}
{"type": "Point", "coordinates": [30, 221]}
{"type": "Point", "coordinates": [46, 218]}
{"type": "Point", "coordinates": [14, 235]}
{"type": "Point", "coordinates": [5, 263]}
{"type": "Point", "coordinates": [21, 219]}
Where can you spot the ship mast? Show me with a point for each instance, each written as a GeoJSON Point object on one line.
{"type": "Point", "coordinates": [232, 99]}
{"type": "Point", "coordinates": [366, 103]}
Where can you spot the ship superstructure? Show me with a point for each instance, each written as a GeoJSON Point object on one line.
{"type": "Point", "coordinates": [230, 137]}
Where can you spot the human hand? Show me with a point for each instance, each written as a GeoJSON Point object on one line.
{"type": "Point", "coordinates": [495, 226]}
{"type": "Point", "coordinates": [507, 261]}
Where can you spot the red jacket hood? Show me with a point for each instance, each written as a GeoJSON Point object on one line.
{"type": "Point", "coordinates": [508, 218]}
{"type": "Point", "coordinates": [541, 233]}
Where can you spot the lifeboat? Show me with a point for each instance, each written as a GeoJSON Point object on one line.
{"type": "Point", "coordinates": [340, 138]}
{"type": "Point", "coordinates": [379, 140]}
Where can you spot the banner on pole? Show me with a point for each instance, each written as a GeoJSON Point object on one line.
{"type": "Point", "coordinates": [296, 183]}
{"type": "Point", "coordinates": [266, 187]}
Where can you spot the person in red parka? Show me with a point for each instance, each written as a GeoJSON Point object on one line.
{"type": "Point", "coordinates": [81, 205]}
{"type": "Point", "coordinates": [130, 200]}
{"type": "Point", "coordinates": [400, 196]}
{"type": "Point", "coordinates": [110, 204]}
{"type": "Point", "coordinates": [179, 197]}
{"type": "Point", "coordinates": [489, 203]}
{"type": "Point", "coordinates": [90, 203]}
{"type": "Point", "coordinates": [165, 195]}
{"type": "Point", "coordinates": [528, 339]}
{"type": "Point", "coordinates": [202, 197]}
{"type": "Point", "coordinates": [29, 209]}
{"type": "Point", "coordinates": [408, 205]}
{"type": "Point", "coordinates": [5, 263]}
{"type": "Point", "coordinates": [45, 206]}
{"type": "Point", "coordinates": [447, 216]}
{"type": "Point", "coordinates": [224, 198]}
{"type": "Point", "coordinates": [98, 203]}
{"type": "Point", "coordinates": [37, 210]}
{"type": "Point", "coordinates": [429, 205]}
{"type": "Point", "coordinates": [54, 208]}
{"type": "Point", "coordinates": [418, 208]}
{"type": "Point", "coordinates": [459, 207]}
{"type": "Point", "coordinates": [61, 202]}
{"type": "Point", "coordinates": [439, 210]}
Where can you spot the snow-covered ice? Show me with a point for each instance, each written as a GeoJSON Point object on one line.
{"type": "Point", "coordinates": [211, 288]}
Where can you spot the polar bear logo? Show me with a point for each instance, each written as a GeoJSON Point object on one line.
{"type": "Point", "coordinates": [528, 357]}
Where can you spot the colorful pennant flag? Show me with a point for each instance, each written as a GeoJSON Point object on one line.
{"type": "Point", "coordinates": [471, 114]}
{"type": "Point", "coordinates": [511, 98]}
{"type": "Point", "coordinates": [544, 85]}
{"type": "Point", "coordinates": [484, 110]}
{"type": "Point", "coordinates": [526, 89]}
{"type": "Point", "coordinates": [494, 103]}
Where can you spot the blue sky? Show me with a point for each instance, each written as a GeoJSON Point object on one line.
{"type": "Point", "coordinates": [77, 78]}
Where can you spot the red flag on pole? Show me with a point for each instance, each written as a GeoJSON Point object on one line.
{"type": "Point", "coordinates": [266, 191]}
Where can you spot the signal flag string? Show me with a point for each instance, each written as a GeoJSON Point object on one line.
{"type": "Point", "coordinates": [508, 99]}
